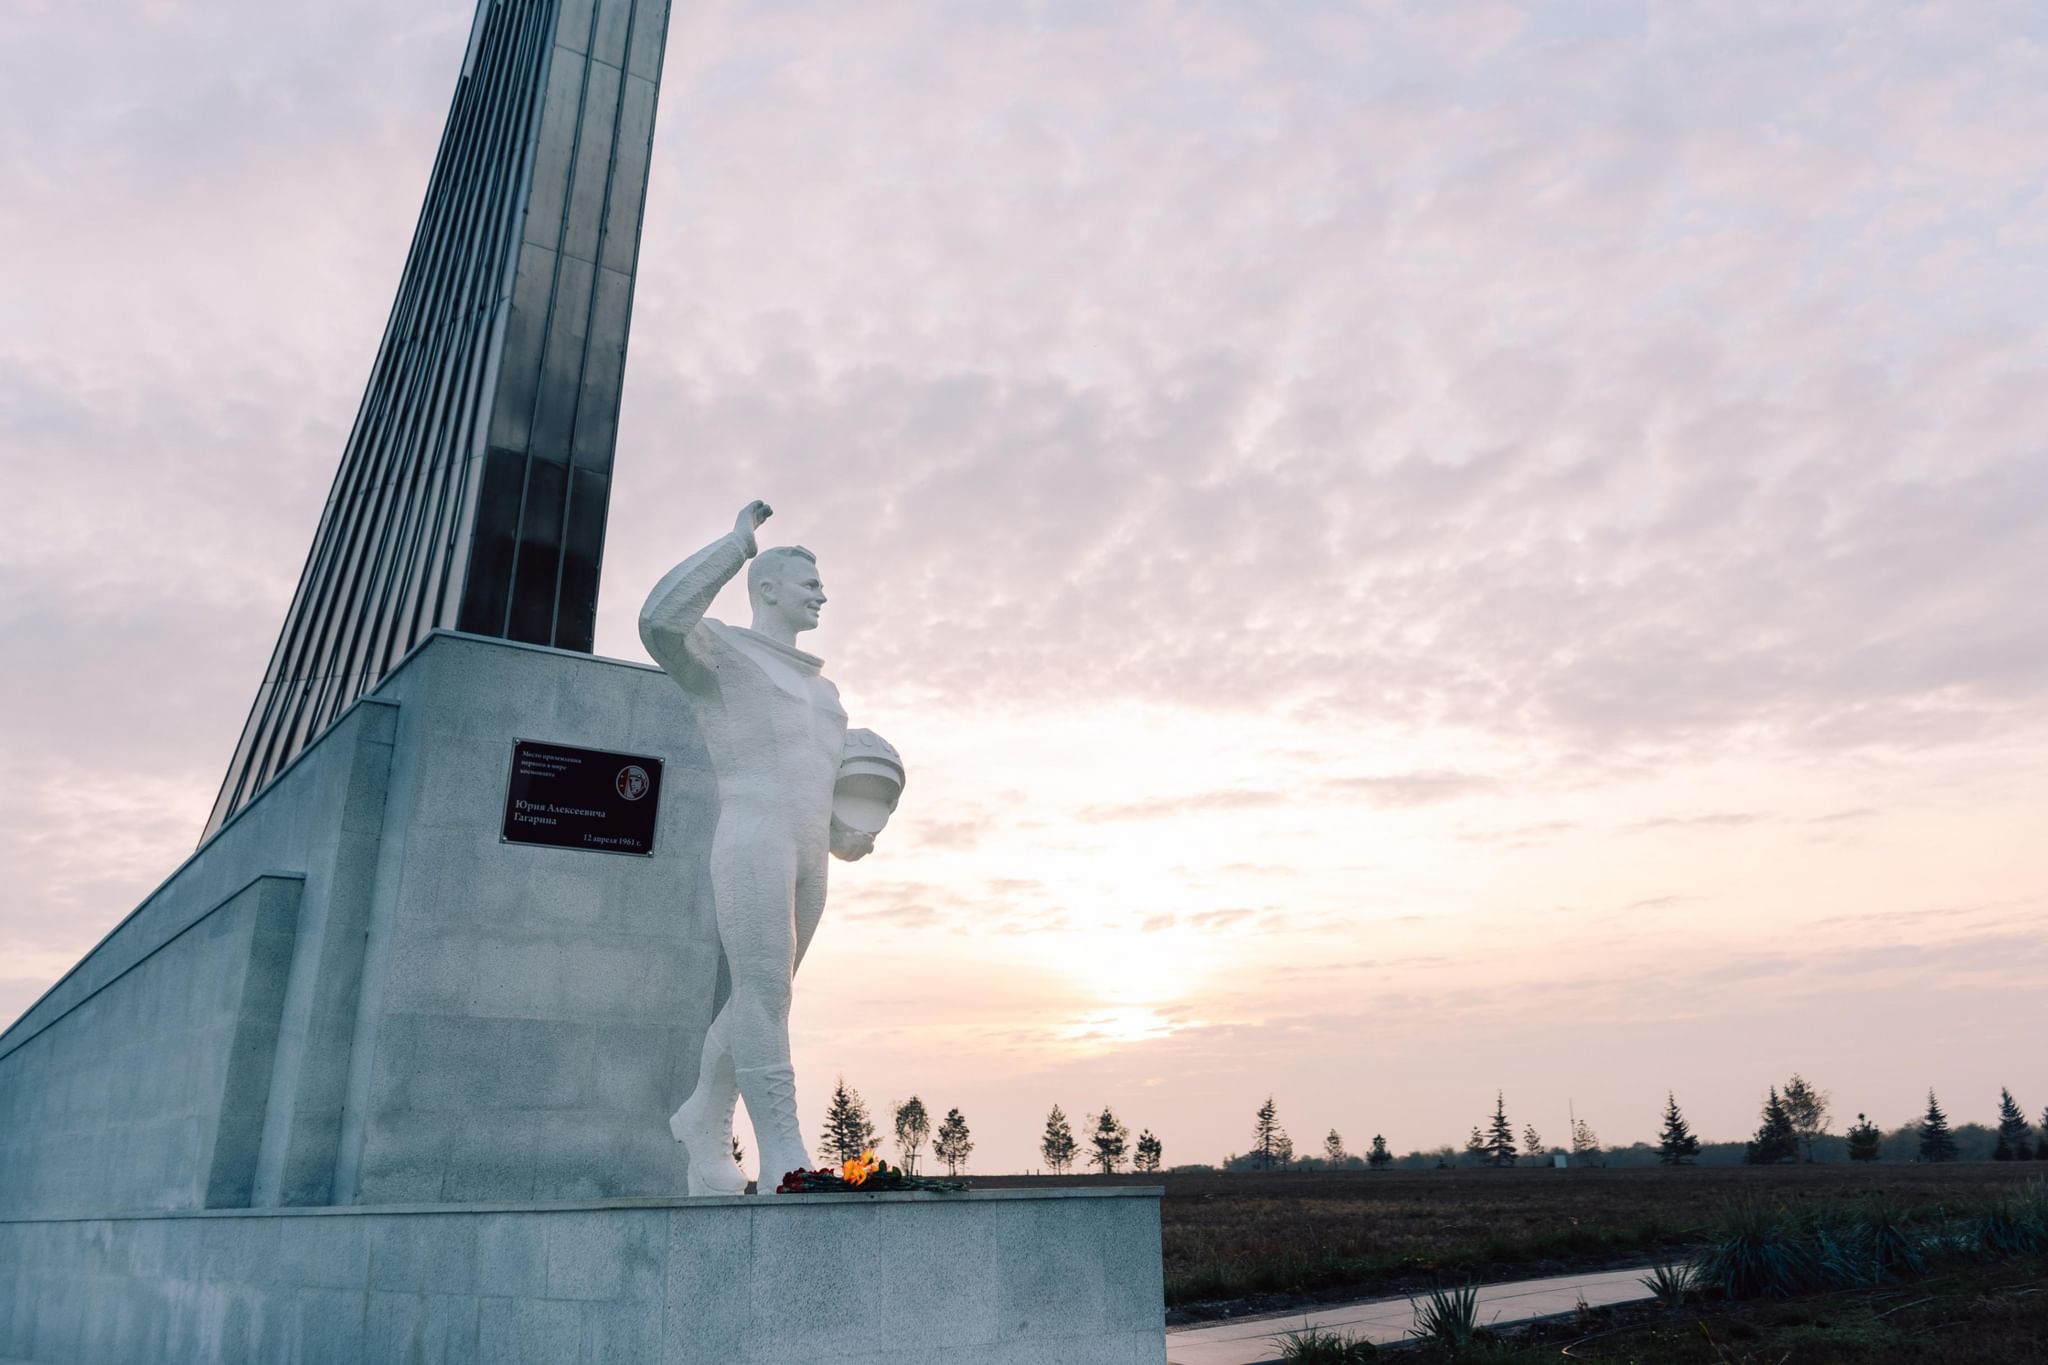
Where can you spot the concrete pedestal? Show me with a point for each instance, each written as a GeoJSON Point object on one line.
{"type": "Point", "coordinates": [1001, 1277]}
{"type": "Point", "coordinates": [320, 1096]}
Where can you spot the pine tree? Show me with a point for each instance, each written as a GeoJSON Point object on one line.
{"type": "Point", "coordinates": [1146, 1155]}
{"type": "Point", "coordinates": [1937, 1143]}
{"type": "Point", "coordinates": [1678, 1146]}
{"type": "Point", "coordinates": [1865, 1140]}
{"type": "Point", "coordinates": [1266, 1135]}
{"type": "Point", "coordinates": [1500, 1139]}
{"type": "Point", "coordinates": [1333, 1148]}
{"type": "Point", "coordinates": [1775, 1140]}
{"type": "Point", "coordinates": [1057, 1146]}
{"type": "Point", "coordinates": [1108, 1141]}
{"type": "Point", "coordinates": [952, 1144]}
{"type": "Point", "coordinates": [1379, 1156]}
{"type": "Point", "coordinates": [1585, 1142]}
{"type": "Point", "coordinates": [913, 1126]}
{"type": "Point", "coordinates": [1807, 1107]}
{"type": "Point", "coordinates": [1532, 1141]}
{"type": "Point", "coordinates": [2041, 1151]}
{"type": "Point", "coordinates": [848, 1130]}
{"type": "Point", "coordinates": [1475, 1146]}
{"type": "Point", "coordinates": [2015, 1136]}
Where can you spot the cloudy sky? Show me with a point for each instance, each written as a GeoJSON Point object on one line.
{"type": "Point", "coordinates": [1411, 549]}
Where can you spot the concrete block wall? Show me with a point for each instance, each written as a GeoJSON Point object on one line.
{"type": "Point", "coordinates": [536, 1013]}
{"type": "Point", "coordinates": [456, 1018]}
{"type": "Point", "coordinates": [1003, 1277]}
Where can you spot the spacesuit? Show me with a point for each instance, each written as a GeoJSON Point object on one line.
{"type": "Point", "coordinates": [776, 732]}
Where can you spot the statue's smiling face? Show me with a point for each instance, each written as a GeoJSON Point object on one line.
{"type": "Point", "coordinates": [791, 589]}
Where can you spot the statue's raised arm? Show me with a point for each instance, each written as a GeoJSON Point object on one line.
{"type": "Point", "coordinates": [685, 593]}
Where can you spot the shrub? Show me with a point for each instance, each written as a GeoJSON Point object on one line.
{"type": "Point", "coordinates": [1314, 1346]}
{"type": "Point", "coordinates": [1755, 1253]}
{"type": "Point", "coordinates": [1760, 1251]}
{"type": "Point", "coordinates": [2015, 1225]}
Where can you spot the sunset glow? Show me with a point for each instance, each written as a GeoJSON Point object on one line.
{"type": "Point", "coordinates": [1409, 550]}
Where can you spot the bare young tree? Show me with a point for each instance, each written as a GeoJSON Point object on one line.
{"type": "Point", "coordinates": [1808, 1110]}
{"type": "Point", "coordinates": [1585, 1142]}
{"type": "Point", "coordinates": [913, 1126]}
{"type": "Point", "coordinates": [952, 1144]}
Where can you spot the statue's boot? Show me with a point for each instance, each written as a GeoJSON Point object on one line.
{"type": "Point", "coordinates": [704, 1126]}
{"type": "Point", "coordinates": [771, 1101]}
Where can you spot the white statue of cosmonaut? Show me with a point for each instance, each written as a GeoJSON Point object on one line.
{"type": "Point", "coordinates": [793, 786]}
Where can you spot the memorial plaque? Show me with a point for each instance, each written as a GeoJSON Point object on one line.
{"type": "Point", "coordinates": [565, 797]}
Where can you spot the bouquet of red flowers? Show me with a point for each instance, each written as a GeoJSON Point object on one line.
{"type": "Point", "coordinates": [867, 1173]}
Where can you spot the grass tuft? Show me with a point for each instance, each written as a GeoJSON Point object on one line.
{"type": "Point", "coordinates": [1672, 1283]}
{"type": "Point", "coordinates": [1842, 1258]}
{"type": "Point", "coordinates": [1894, 1244]}
{"type": "Point", "coordinates": [1448, 1318]}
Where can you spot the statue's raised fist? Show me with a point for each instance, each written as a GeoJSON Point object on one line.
{"type": "Point", "coordinates": [751, 516]}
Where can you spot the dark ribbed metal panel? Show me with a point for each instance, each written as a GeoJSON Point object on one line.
{"type": "Point", "coordinates": [473, 489]}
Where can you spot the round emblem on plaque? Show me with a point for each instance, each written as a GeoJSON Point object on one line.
{"type": "Point", "coordinates": [632, 783]}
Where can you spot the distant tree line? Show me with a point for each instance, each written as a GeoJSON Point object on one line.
{"type": "Point", "coordinates": [1272, 1149]}
{"type": "Point", "coordinates": [1794, 1126]}
{"type": "Point", "coordinates": [1108, 1138]}
{"type": "Point", "coordinates": [850, 1131]}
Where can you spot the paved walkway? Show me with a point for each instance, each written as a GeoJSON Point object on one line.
{"type": "Point", "coordinates": [1256, 1341]}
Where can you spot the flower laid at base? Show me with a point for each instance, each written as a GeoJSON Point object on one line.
{"type": "Point", "coordinates": [866, 1173]}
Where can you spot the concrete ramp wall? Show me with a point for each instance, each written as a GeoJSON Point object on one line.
{"type": "Point", "coordinates": [150, 1092]}
{"type": "Point", "coordinates": [81, 1060]}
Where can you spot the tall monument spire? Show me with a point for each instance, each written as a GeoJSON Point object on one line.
{"type": "Point", "coordinates": [473, 489]}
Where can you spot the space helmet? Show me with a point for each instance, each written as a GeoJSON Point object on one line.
{"type": "Point", "coordinates": [870, 782]}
